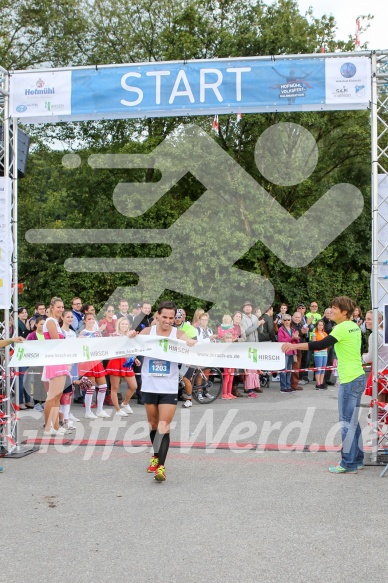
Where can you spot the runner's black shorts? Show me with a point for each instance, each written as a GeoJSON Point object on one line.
{"type": "Point", "coordinates": [159, 398]}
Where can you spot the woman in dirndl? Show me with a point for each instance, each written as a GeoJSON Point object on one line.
{"type": "Point", "coordinates": [95, 372]}
{"type": "Point", "coordinates": [122, 369]}
{"type": "Point", "coordinates": [55, 374]}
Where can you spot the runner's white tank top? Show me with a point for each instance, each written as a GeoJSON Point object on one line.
{"type": "Point", "coordinates": [160, 376]}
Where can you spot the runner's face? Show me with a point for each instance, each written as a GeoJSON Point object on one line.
{"type": "Point", "coordinates": [166, 319]}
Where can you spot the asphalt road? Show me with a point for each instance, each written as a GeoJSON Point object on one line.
{"type": "Point", "coordinates": [93, 513]}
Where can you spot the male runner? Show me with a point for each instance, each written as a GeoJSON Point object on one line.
{"type": "Point", "coordinates": [346, 337]}
{"type": "Point", "coordinates": [160, 380]}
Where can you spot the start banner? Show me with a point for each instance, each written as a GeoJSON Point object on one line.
{"type": "Point", "coordinates": [250, 355]}
{"type": "Point", "coordinates": [186, 88]}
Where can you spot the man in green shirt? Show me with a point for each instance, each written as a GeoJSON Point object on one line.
{"type": "Point", "coordinates": [191, 332]}
{"type": "Point", "coordinates": [346, 337]}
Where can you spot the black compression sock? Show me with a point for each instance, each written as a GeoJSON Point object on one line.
{"type": "Point", "coordinates": [152, 437]}
{"type": "Point", "coordinates": [164, 441]}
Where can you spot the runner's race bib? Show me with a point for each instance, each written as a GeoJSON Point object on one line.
{"type": "Point", "coordinates": [159, 368]}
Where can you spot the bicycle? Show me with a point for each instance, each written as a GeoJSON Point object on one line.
{"type": "Point", "coordinates": [207, 384]}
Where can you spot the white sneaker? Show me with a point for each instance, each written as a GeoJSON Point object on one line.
{"type": "Point", "coordinates": [126, 408]}
{"type": "Point", "coordinates": [62, 431]}
{"type": "Point", "coordinates": [69, 426]}
{"type": "Point", "coordinates": [73, 418]}
{"type": "Point", "coordinates": [51, 432]}
{"type": "Point", "coordinates": [90, 416]}
{"type": "Point", "coordinates": [121, 413]}
{"type": "Point", "coordinates": [187, 404]}
{"type": "Point", "coordinates": [103, 414]}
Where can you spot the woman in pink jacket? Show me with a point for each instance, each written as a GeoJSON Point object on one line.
{"type": "Point", "coordinates": [287, 334]}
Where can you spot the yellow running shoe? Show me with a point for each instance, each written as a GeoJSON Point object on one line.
{"type": "Point", "coordinates": [153, 465]}
{"type": "Point", "coordinates": [160, 473]}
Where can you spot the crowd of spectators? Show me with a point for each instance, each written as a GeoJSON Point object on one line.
{"type": "Point", "coordinates": [247, 325]}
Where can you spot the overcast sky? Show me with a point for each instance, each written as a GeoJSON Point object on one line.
{"type": "Point", "coordinates": [345, 13]}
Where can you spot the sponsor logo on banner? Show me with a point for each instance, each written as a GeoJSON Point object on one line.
{"type": "Point", "coordinates": [19, 353]}
{"type": "Point", "coordinates": [86, 352]}
{"type": "Point", "coordinates": [164, 345]}
{"type": "Point", "coordinates": [252, 354]}
{"type": "Point", "coordinates": [21, 108]}
{"type": "Point", "coordinates": [360, 90]}
{"type": "Point", "coordinates": [98, 353]}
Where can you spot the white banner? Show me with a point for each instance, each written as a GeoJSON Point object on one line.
{"type": "Point", "coordinates": [41, 94]}
{"type": "Point", "coordinates": [348, 80]}
{"type": "Point", "coordinates": [251, 355]}
{"type": "Point", "coordinates": [6, 244]}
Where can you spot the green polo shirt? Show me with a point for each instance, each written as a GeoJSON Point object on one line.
{"type": "Point", "coordinates": [188, 329]}
{"type": "Point", "coordinates": [348, 350]}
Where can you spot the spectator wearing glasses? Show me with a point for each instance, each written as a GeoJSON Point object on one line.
{"type": "Point", "coordinates": [107, 325]}
{"type": "Point", "coordinates": [40, 310]}
{"type": "Point", "coordinates": [78, 315]}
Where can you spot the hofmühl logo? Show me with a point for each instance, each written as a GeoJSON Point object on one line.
{"type": "Point", "coordinates": [164, 344]}
{"type": "Point", "coordinates": [86, 351]}
{"type": "Point", "coordinates": [252, 354]}
{"type": "Point", "coordinates": [19, 353]}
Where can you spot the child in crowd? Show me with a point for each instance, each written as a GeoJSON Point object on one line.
{"type": "Point", "coordinates": [252, 382]}
{"type": "Point", "coordinates": [320, 356]}
{"type": "Point", "coordinates": [226, 327]}
{"type": "Point", "coordinates": [228, 373]}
